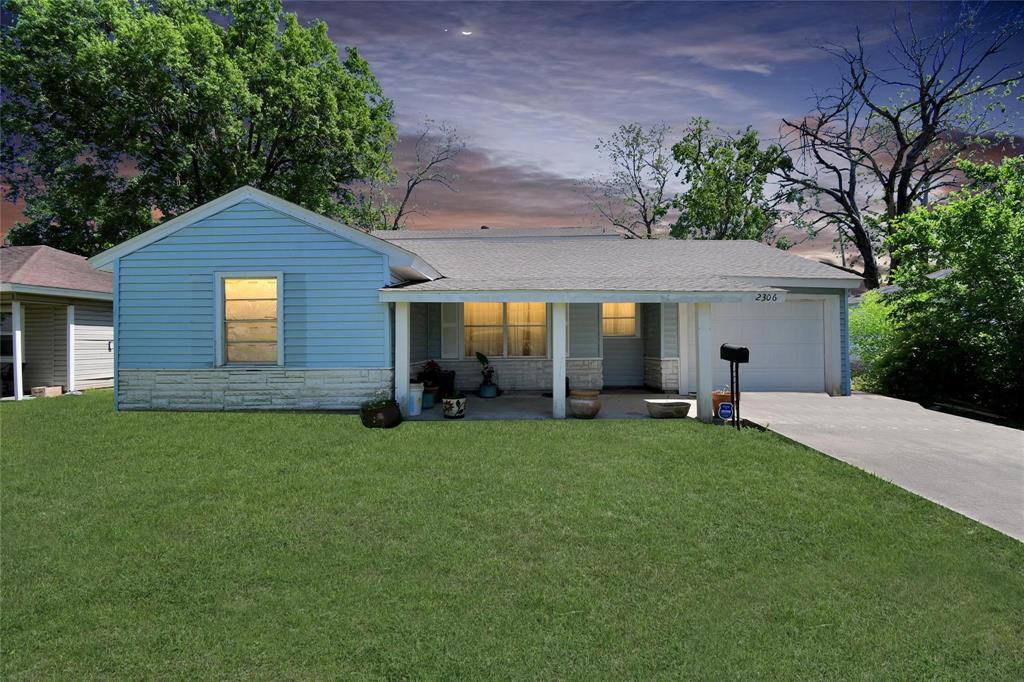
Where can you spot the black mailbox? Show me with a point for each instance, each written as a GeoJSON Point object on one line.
{"type": "Point", "coordinates": [734, 353]}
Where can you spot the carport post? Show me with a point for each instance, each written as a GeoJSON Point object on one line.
{"type": "Point", "coordinates": [705, 362]}
{"type": "Point", "coordinates": [17, 322]}
{"type": "Point", "coordinates": [402, 356]}
{"type": "Point", "coordinates": [558, 344]}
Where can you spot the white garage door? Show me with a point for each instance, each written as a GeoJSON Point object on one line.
{"type": "Point", "coordinates": [786, 341]}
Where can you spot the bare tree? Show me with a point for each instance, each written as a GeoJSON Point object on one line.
{"type": "Point", "coordinates": [438, 144]}
{"type": "Point", "coordinates": [634, 198]}
{"type": "Point", "coordinates": [888, 139]}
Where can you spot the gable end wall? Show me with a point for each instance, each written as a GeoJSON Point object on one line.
{"type": "Point", "coordinates": [332, 316]}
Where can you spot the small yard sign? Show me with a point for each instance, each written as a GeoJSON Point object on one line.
{"type": "Point", "coordinates": [725, 411]}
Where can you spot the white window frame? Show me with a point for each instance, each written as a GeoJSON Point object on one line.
{"type": "Point", "coordinates": [445, 352]}
{"type": "Point", "coordinates": [218, 306]}
{"type": "Point", "coordinates": [637, 327]}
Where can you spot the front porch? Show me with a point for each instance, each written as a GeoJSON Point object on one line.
{"type": "Point", "coordinates": [617, 404]}
{"type": "Point", "coordinates": [537, 384]}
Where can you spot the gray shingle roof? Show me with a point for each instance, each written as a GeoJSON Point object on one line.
{"type": "Point", "coordinates": [499, 233]}
{"type": "Point", "coordinates": [45, 266]}
{"type": "Point", "coordinates": [603, 265]}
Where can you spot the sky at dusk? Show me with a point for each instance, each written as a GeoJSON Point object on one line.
{"type": "Point", "coordinates": [534, 85]}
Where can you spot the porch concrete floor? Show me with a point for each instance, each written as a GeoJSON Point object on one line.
{"type": "Point", "coordinates": [619, 404]}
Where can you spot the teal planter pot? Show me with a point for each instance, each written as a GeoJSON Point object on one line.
{"type": "Point", "coordinates": [488, 390]}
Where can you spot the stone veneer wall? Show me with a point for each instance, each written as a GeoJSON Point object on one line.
{"type": "Point", "coordinates": [662, 373]}
{"type": "Point", "coordinates": [224, 388]}
{"type": "Point", "coordinates": [522, 374]}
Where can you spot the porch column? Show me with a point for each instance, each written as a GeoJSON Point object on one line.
{"type": "Point", "coordinates": [705, 362]}
{"type": "Point", "coordinates": [70, 384]}
{"type": "Point", "coordinates": [558, 344]}
{"type": "Point", "coordinates": [17, 322]}
{"type": "Point", "coordinates": [402, 355]}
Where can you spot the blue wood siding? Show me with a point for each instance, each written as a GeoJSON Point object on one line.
{"type": "Point", "coordinates": [670, 330]}
{"type": "Point", "coordinates": [584, 330]}
{"type": "Point", "coordinates": [418, 332]}
{"type": "Point", "coordinates": [844, 330]}
{"type": "Point", "coordinates": [650, 319]}
{"type": "Point", "coordinates": [332, 315]}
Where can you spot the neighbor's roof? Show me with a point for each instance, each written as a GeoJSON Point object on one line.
{"type": "Point", "coordinates": [45, 266]}
{"type": "Point", "coordinates": [501, 233]}
{"type": "Point", "coordinates": [619, 265]}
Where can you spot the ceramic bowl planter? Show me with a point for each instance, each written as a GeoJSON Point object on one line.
{"type": "Point", "coordinates": [384, 416]}
{"type": "Point", "coordinates": [454, 407]}
{"type": "Point", "coordinates": [584, 404]}
{"type": "Point", "coordinates": [667, 408]}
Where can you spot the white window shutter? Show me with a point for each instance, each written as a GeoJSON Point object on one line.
{"type": "Point", "coordinates": [450, 330]}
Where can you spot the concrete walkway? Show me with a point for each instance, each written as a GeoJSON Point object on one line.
{"type": "Point", "coordinates": [971, 467]}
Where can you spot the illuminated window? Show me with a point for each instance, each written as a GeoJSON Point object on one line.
{"type": "Point", "coordinates": [483, 326]}
{"type": "Point", "coordinates": [618, 319]}
{"type": "Point", "coordinates": [527, 329]}
{"type": "Point", "coordinates": [251, 325]}
{"type": "Point", "coordinates": [505, 329]}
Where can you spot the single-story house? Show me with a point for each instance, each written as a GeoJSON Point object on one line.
{"type": "Point", "coordinates": [251, 302]}
{"type": "Point", "coordinates": [56, 321]}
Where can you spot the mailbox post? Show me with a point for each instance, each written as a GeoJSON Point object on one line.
{"type": "Point", "coordinates": [735, 355]}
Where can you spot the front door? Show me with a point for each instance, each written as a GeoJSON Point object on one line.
{"type": "Point", "coordinates": [623, 356]}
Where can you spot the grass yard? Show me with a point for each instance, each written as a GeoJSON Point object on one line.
{"type": "Point", "coordinates": [285, 546]}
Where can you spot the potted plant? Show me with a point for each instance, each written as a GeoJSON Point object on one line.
{"type": "Point", "coordinates": [488, 389]}
{"type": "Point", "coordinates": [454, 405]}
{"type": "Point", "coordinates": [380, 412]}
{"type": "Point", "coordinates": [584, 404]}
{"type": "Point", "coordinates": [719, 397]}
{"type": "Point", "coordinates": [429, 376]}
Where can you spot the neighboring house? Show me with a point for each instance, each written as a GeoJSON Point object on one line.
{"type": "Point", "coordinates": [252, 302]}
{"type": "Point", "coordinates": [56, 321]}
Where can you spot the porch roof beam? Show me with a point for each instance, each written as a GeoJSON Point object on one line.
{"type": "Point", "coordinates": [569, 296]}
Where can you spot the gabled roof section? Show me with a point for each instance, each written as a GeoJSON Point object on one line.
{"type": "Point", "coordinates": [34, 268]}
{"type": "Point", "coordinates": [405, 265]}
{"type": "Point", "coordinates": [622, 264]}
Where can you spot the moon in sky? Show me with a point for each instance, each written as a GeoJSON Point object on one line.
{"type": "Point", "coordinates": [467, 33]}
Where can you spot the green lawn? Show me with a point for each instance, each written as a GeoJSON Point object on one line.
{"type": "Point", "coordinates": [284, 546]}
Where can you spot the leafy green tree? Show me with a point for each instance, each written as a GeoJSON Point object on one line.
{"type": "Point", "coordinates": [119, 112]}
{"type": "Point", "coordinates": [962, 333]}
{"type": "Point", "coordinates": [725, 177]}
{"type": "Point", "coordinates": [872, 335]}
{"type": "Point", "coordinates": [634, 198]}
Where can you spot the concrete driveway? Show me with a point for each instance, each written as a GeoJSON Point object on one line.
{"type": "Point", "coordinates": [971, 467]}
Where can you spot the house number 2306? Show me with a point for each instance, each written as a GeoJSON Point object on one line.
{"type": "Point", "coordinates": [766, 298]}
